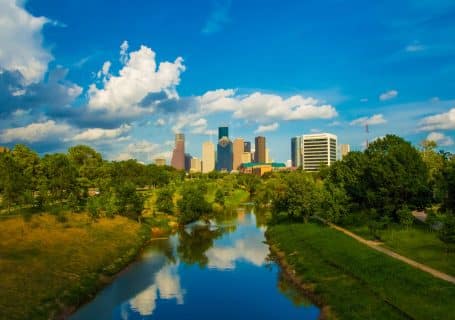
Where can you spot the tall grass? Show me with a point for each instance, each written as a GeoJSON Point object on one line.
{"type": "Point", "coordinates": [47, 265]}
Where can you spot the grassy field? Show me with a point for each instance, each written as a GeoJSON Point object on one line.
{"type": "Point", "coordinates": [48, 265]}
{"type": "Point", "coordinates": [416, 242]}
{"type": "Point", "coordinates": [358, 282]}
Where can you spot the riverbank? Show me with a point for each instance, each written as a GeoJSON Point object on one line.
{"type": "Point", "coordinates": [50, 266]}
{"type": "Point", "coordinates": [354, 280]}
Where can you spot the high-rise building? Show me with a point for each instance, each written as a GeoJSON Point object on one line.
{"type": "Point", "coordinates": [223, 132]}
{"type": "Point", "coordinates": [178, 155]}
{"type": "Point", "coordinates": [160, 161]}
{"type": "Point", "coordinates": [195, 165]}
{"type": "Point", "coordinates": [208, 157]}
{"type": "Point", "coordinates": [247, 146]}
{"type": "Point", "coordinates": [246, 157]}
{"type": "Point", "coordinates": [344, 150]}
{"type": "Point", "coordinates": [238, 147]}
{"type": "Point", "coordinates": [267, 156]}
{"type": "Point", "coordinates": [224, 150]}
{"type": "Point", "coordinates": [259, 155]}
{"type": "Point", "coordinates": [318, 149]}
{"type": "Point", "coordinates": [188, 162]}
{"type": "Point", "coordinates": [296, 151]}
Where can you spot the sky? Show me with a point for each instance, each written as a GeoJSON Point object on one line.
{"type": "Point", "coordinates": [125, 76]}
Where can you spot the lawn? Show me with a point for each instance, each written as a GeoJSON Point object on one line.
{"type": "Point", "coordinates": [47, 265]}
{"type": "Point", "coordinates": [416, 242]}
{"type": "Point", "coordinates": [358, 282]}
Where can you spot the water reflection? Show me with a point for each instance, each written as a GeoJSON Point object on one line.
{"type": "Point", "coordinates": [215, 270]}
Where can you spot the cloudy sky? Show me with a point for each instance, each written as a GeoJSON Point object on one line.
{"type": "Point", "coordinates": [123, 77]}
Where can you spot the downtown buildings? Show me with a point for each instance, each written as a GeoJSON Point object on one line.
{"type": "Point", "coordinates": [178, 154]}
{"type": "Point", "coordinates": [208, 157]}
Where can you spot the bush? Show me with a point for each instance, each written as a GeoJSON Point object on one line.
{"type": "Point", "coordinates": [164, 200]}
{"type": "Point", "coordinates": [447, 232]}
{"type": "Point", "coordinates": [93, 208]}
{"type": "Point", "coordinates": [405, 217]}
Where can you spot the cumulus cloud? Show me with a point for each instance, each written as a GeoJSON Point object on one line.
{"type": "Point", "coordinates": [442, 121]}
{"type": "Point", "coordinates": [371, 121]}
{"type": "Point", "coordinates": [440, 139]}
{"type": "Point", "coordinates": [267, 128]}
{"type": "Point", "coordinates": [22, 43]}
{"type": "Point", "coordinates": [35, 132]}
{"type": "Point", "coordinates": [414, 47]}
{"type": "Point", "coordinates": [140, 76]}
{"type": "Point", "coordinates": [388, 95]}
{"type": "Point", "coordinates": [93, 134]}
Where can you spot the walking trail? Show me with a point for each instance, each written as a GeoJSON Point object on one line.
{"type": "Point", "coordinates": [377, 246]}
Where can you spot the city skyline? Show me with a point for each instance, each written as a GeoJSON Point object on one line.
{"type": "Point", "coordinates": [127, 92]}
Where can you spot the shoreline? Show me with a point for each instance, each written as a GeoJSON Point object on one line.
{"type": "Point", "coordinates": [306, 289]}
{"type": "Point", "coordinates": [104, 279]}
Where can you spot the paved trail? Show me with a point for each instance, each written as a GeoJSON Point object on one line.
{"type": "Point", "coordinates": [377, 246]}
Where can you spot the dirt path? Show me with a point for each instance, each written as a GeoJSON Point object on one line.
{"type": "Point", "coordinates": [377, 246]}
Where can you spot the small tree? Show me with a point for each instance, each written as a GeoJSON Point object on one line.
{"type": "Point", "coordinates": [447, 232]}
{"type": "Point", "coordinates": [192, 205]}
{"type": "Point", "coordinates": [405, 217]}
{"type": "Point", "coordinates": [164, 200]}
{"type": "Point", "coordinates": [219, 197]}
{"type": "Point", "coordinates": [129, 202]}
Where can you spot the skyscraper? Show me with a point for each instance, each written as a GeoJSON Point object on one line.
{"type": "Point", "coordinates": [238, 146]}
{"type": "Point", "coordinates": [178, 154]}
{"type": "Point", "coordinates": [319, 149]}
{"type": "Point", "coordinates": [344, 150]}
{"type": "Point", "coordinates": [259, 155]}
{"type": "Point", "coordinates": [208, 157]}
{"type": "Point", "coordinates": [296, 151]}
{"type": "Point", "coordinates": [224, 150]}
{"type": "Point", "coordinates": [247, 146]}
{"type": "Point", "coordinates": [188, 158]}
{"type": "Point", "coordinates": [195, 165]}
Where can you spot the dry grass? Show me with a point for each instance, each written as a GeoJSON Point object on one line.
{"type": "Point", "coordinates": [46, 264]}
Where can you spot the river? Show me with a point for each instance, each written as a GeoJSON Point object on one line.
{"type": "Point", "coordinates": [216, 271]}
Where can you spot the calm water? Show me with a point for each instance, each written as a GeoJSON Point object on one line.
{"type": "Point", "coordinates": [219, 271]}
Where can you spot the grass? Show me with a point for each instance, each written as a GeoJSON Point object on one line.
{"type": "Point", "coordinates": [416, 242]}
{"type": "Point", "coordinates": [48, 265]}
{"type": "Point", "coordinates": [358, 282]}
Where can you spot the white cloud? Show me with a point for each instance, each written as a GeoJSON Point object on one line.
{"type": "Point", "coordinates": [373, 120]}
{"type": "Point", "coordinates": [104, 70]}
{"type": "Point", "coordinates": [140, 76]}
{"type": "Point", "coordinates": [19, 113]}
{"type": "Point", "coordinates": [22, 42]}
{"type": "Point", "coordinates": [48, 130]}
{"type": "Point", "coordinates": [267, 128]}
{"type": "Point", "coordinates": [263, 107]}
{"type": "Point", "coordinates": [160, 122]}
{"type": "Point", "coordinates": [144, 151]}
{"type": "Point", "coordinates": [124, 52]}
{"type": "Point", "coordinates": [442, 121]}
{"type": "Point", "coordinates": [98, 133]}
{"type": "Point", "coordinates": [440, 138]}
{"type": "Point", "coordinates": [388, 95]}
{"type": "Point", "coordinates": [414, 47]}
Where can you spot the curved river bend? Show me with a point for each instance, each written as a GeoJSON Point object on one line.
{"type": "Point", "coordinates": [219, 271]}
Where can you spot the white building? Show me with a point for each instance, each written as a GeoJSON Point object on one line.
{"type": "Point", "coordinates": [319, 149]}
{"type": "Point", "coordinates": [344, 150]}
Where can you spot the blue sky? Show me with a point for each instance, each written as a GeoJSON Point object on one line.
{"type": "Point", "coordinates": [123, 77]}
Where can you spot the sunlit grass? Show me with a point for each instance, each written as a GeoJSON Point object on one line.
{"type": "Point", "coordinates": [359, 282]}
{"type": "Point", "coordinates": [47, 264]}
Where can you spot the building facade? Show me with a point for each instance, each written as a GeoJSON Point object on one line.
{"type": "Point", "coordinates": [237, 153]}
{"type": "Point", "coordinates": [259, 153]}
{"type": "Point", "coordinates": [246, 157]}
{"type": "Point", "coordinates": [318, 149]}
{"type": "Point", "coordinates": [160, 161]}
{"type": "Point", "coordinates": [208, 157]}
{"type": "Point", "coordinates": [178, 154]}
{"type": "Point", "coordinates": [195, 165]}
{"type": "Point", "coordinates": [344, 150]}
{"type": "Point", "coordinates": [188, 158]}
{"type": "Point", "coordinates": [247, 146]}
{"type": "Point", "coordinates": [224, 150]}
{"type": "Point", "coordinates": [296, 151]}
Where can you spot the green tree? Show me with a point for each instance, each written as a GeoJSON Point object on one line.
{"type": "Point", "coordinates": [28, 162]}
{"type": "Point", "coordinates": [447, 185]}
{"type": "Point", "coordinates": [86, 161]}
{"type": "Point", "coordinates": [192, 205]}
{"type": "Point", "coordinates": [129, 202]}
{"type": "Point", "coordinates": [219, 197]}
{"type": "Point", "coordinates": [164, 200]}
{"type": "Point", "coordinates": [12, 181]}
